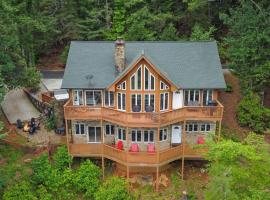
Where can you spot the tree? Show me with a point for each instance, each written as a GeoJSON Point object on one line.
{"type": "Point", "coordinates": [61, 158]}
{"type": "Point", "coordinates": [239, 170]}
{"type": "Point", "coordinates": [198, 33]}
{"type": "Point", "coordinates": [20, 190]}
{"type": "Point", "coordinates": [87, 179]}
{"type": "Point", "coordinates": [169, 33]}
{"type": "Point", "coordinates": [114, 188]}
{"type": "Point", "coordinates": [252, 114]}
{"type": "Point", "coordinates": [248, 42]}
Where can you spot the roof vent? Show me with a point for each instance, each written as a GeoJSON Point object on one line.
{"type": "Point", "coordinates": [90, 77]}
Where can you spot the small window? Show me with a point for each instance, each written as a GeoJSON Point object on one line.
{"type": "Point", "coordinates": [148, 136]}
{"type": "Point", "coordinates": [121, 101]}
{"type": "Point", "coordinates": [79, 129]}
{"type": "Point", "coordinates": [109, 129]}
{"type": "Point", "coordinates": [164, 101]}
{"type": "Point", "coordinates": [163, 86]}
{"type": "Point", "coordinates": [93, 97]}
{"type": "Point", "coordinates": [163, 135]}
{"type": "Point", "coordinates": [192, 97]}
{"type": "Point", "coordinates": [77, 97]}
{"type": "Point", "coordinates": [192, 127]}
{"type": "Point", "coordinates": [136, 135]}
{"type": "Point", "coordinates": [124, 85]}
{"type": "Point", "coordinates": [109, 98]}
{"type": "Point", "coordinates": [205, 127]}
{"type": "Point", "coordinates": [121, 134]}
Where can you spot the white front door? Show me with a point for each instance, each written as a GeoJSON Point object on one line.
{"type": "Point", "coordinates": [178, 99]}
{"type": "Point", "coordinates": [176, 134]}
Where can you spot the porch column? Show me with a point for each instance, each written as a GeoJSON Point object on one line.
{"type": "Point", "coordinates": [183, 150]}
{"type": "Point", "coordinates": [66, 124]}
{"type": "Point", "coordinates": [127, 141]}
{"type": "Point", "coordinates": [102, 143]}
{"type": "Point", "coordinates": [157, 179]}
{"type": "Point", "coordinates": [219, 130]}
{"type": "Point", "coordinates": [157, 144]}
{"type": "Point", "coordinates": [103, 167]}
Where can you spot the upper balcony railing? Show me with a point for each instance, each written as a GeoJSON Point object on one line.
{"type": "Point", "coordinates": [146, 119]}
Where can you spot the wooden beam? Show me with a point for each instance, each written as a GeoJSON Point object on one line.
{"type": "Point", "coordinates": [183, 150]}
{"type": "Point", "coordinates": [157, 179]}
{"type": "Point", "coordinates": [127, 173]}
{"type": "Point", "coordinates": [66, 123]}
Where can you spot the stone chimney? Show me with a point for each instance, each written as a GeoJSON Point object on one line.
{"type": "Point", "coordinates": [119, 55]}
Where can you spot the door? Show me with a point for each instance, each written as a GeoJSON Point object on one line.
{"type": "Point", "coordinates": [176, 134]}
{"type": "Point", "coordinates": [178, 99]}
{"type": "Point", "coordinates": [94, 134]}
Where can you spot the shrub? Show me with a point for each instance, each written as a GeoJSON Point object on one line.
{"type": "Point", "coordinates": [21, 190]}
{"type": "Point", "coordinates": [252, 114]}
{"type": "Point", "coordinates": [87, 179]}
{"type": "Point", "coordinates": [61, 158]}
{"type": "Point", "coordinates": [229, 88]}
{"type": "Point", "coordinates": [114, 188]}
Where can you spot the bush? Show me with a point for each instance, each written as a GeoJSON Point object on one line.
{"type": "Point", "coordinates": [87, 179]}
{"type": "Point", "coordinates": [114, 188]}
{"type": "Point", "coordinates": [61, 158]}
{"type": "Point", "coordinates": [21, 190]}
{"type": "Point", "coordinates": [252, 114]}
{"type": "Point", "coordinates": [64, 55]}
{"type": "Point", "coordinates": [229, 88]}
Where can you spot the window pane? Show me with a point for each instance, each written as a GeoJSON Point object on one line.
{"type": "Point", "coordinates": [91, 134]}
{"type": "Point", "coordinates": [160, 135]}
{"type": "Point", "coordinates": [152, 102]}
{"type": "Point", "coordinates": [107, 98]}
{"type": "Point", "coordinates": [90, 98]}
{"type": "Point", "coordinates": [107, 131]}
{"type": "Point", "coordinates": [152, 82]}
{"type": "Point", "coordinates": [124, 101]}
{"type": "Point", "coordinates": [80, 97]}
{"type": "Point", "coordinates": [165, 134]}
{"type": "Point", "coordinates": [190, 127]}
{"type": "Point", "coordinates": [139, 136]}
{"type": "Point", "coordinates": [112, 129]}
{"type": "Point", "coordinates": [124, 85]}
{"type": "Point", "coordinates": [133, 102]}
{"type": "Point", "coordinates": [191, 98]}
{"type": "Point", "coordinates": [166, 101]}
{"type": "Point", "coordinates": [119, 100]}
{"type": "Point", "coordinates": [146, 103]}
{"type": "Point", "coordinates": [145, 134]}
{"type": "Point", "coordinates": [124, 134]}
{"type": "Point", "coordinates": [195, 127]}
{"type": "Point", "coordinates": [111, 98]}
{"type": "Point", "coordinates": [98, 134]}
{"type": "Point", "coordinates": [82, 128]}
{"type": "Point", "coordinates": [139, 78]}
{"type": "Point", "coordinates": [133, 136]}
{"type": "Point", "coordinates": [77, 128]}
{"type": "Point", "coordinates": [161, 85]}
{"type": "Point", "coordinates": [197, 95]}
{"type": "Point", "coordinates": [161, 101]}
{"type": "Point", "coordinates": [203, 127]}
{"type": "Point", "coordinates": [208, 127]}
{"type": "Point", "coordinates": [186, 97]}
{"type": "Point", "coordinates": [146, 79]}
{"type": "Point", "coordinates": [151, 136]}
{"type": "Point", "coordinates": [132, 82]}
{"type": "Point", "coordinates": [119, 133]}
{"type": "Point", "coordinates": [139, 102]}
{"type": "Point", "coordinates": [97, 96]}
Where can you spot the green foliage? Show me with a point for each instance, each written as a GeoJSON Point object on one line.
{"type": "Point", "coordinates": [228, 88]}
{"type": "Point", "coordinates": [247, 43]}
{"type": "Point", "coordinates": [198, 33]}
{"type": "Point", "coordinates": [64, 54]}
{"type": "Point", "coordinates": [169, 33]}
{"type": "Point", "coordinates": [252, 114]}
{"type": "Point", "coordinates": [61, 158]}
{"type": "Point", "coordinates": [239, 170]}
{"type": "Point", "coordinates": [20, 190]}
{"type": "Point", "coordinates": [31, 78]}
{"type": "Point", "coordinates": [114, 188]}
{"type": "Point", "coordinates": [87, 179]}
{"type": "Point", "coordinates": [43, 194]}
{"type": "Point", "coordinates": [51, 121]}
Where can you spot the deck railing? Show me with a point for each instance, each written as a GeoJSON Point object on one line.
{"type": "Point", "coordinates": [135, 158]}
{"type": "Point", "coordinates": [145, 119]}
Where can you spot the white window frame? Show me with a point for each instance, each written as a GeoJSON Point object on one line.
{"type": "Point", "coordinates": [109, 99]}
{"type": "Point", "coordinates": [122, 131]}
{"type": "Point", "coordinates": [193, 125]}
{"type": "Point", "coordinates": [95, 135]}
{"type": "Point", "coordinates": [164, 101]}
{"type": "Point", "coordinates": [205, 126]}
{"type": "Point", "coordinates": [110, 129]}
{"type": "Point", "coordinates": [194, 95]}
{"type": "Point", "coordinates": [80, 128]}
{"type": "Point", "coordinates": [148, 136]}
{"type": "Point", "coordinates": [75, 93]}
{"type": "Point", "coordinates": [163, 135]}
{"type": "Point", "coordinates": [166, 87]}
{"type": "Point", "coordinates": [136, 135]}
{"type": "Point", "coordinates": [124, 84]}
{"type": "Point", "coordinates": [207, 95]}
{"type": "Point", "coordinates": [136, 79]}
{"type": "Point", "coordinates": [93, 96]}
{"type": "Point", "coordinates": [149, 80]}
{"type": "Point", "coordinates": [121, 106]}
{"type": "Point", "coordinates": [136, 101]}
{"type": "Point", "coordinates": [149, 100]}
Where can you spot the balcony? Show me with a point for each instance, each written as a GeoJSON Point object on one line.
{"type": "Point", "coordinates": [155, 119]}
{"type": "Point", "coordinates": [136, 158]}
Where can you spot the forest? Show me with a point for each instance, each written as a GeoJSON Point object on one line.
{"type": "Point", "coordinates": [31, 30]}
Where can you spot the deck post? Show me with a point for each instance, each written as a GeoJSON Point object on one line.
{"type": "Point", "coordinates": [158, 144]}
{"type": "Point", "coordinates": [66, 123]}
{"type": "Point", "coordinates": [157, 179]}
{"type": "Point", "coordinates": [127, 173]}
{"type": "Point", "coordinates": [183, 150]}
{"type": "Point", "coordinates": [102, 154]}
{"type": "Point", "coordinates": [219, 130]}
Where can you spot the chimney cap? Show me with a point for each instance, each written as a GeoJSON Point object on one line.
{"type": "Point", "coordinates": [120, 41]}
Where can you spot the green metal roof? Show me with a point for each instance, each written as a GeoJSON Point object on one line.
{"type": "Point", "coordinates": [189, 65]}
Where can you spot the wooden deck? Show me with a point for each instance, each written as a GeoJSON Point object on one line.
{"type": "Point", "coordinates": [136, 158]}
{"type": "Point", "coordinates": [157, 119]}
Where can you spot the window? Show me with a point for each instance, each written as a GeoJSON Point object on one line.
{"type": "Point", "coordinates": [94, 134]}
{"type": "Point", "coordinates": [109, 98]}
{"type": "Point", "coordinates": [122, 86]}
{"type": "Point", "coordinates": [136, 135]}
{"type": "Point", "coordinates": [163, 134]}
{"type": "Point", "coordinates": [136, 80]}
{"type": "Point", "coordinates": [207, 97]}
{"type": "Point", "coordinates": [93, 97]}
{"type": "Point", "coordinates": [149, 102]}
{"type": "Point", "coordinates": [109, 129]}
{"type": "Point", "coordinates": [136, 102]}
{"type": "Point", "coordinates": [77, 97]}
{"type": "Point", "coordinates": [148, 136]}
{"type": "Point", "coordinates": [121, 101]}
{"type": "Point", "coordinates": [121, 134]}
{"type": "Point", "coordinates": [192, 127]}
{"type": "Point", "coordinates": [79, 129]}
{"type": "Point", "coordinates": [192, 97]}
{"type": "Point", "coordinates": [164, 101]}
{"type": "Point", "coordinates": [205, 127]}
{"type": "Point", "coordinates": [149, 80]}
{"type": "Point", "coordinates": [163, 86]}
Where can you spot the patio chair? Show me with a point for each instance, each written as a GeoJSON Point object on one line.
{"type": "Point", "coordinates": [134, 147]}
{"type": "Point", "coordinates": [150, 148]}
{"type": "Point", "coordinates": [200, 140]}
{"type": "Point", "coordinates": [120, 145]}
